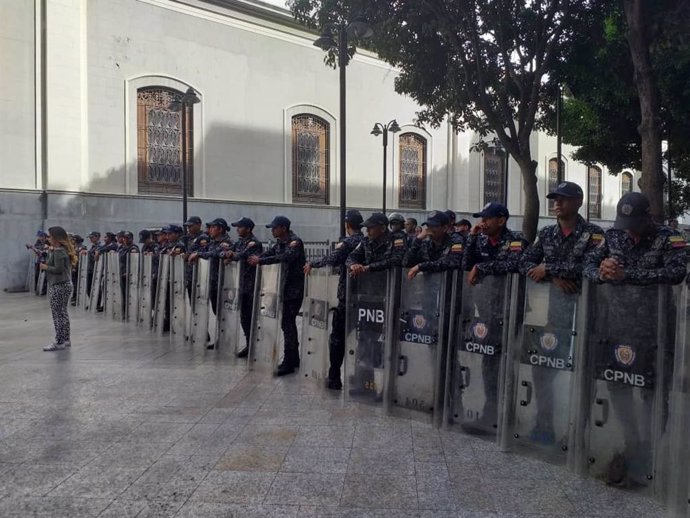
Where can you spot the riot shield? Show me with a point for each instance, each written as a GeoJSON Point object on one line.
{"type": "Point", "coordinates": [113, 291]}
{"type": "Point", "coordinates": [320, 298]}
{"type": "Point", "coordinates": [41, 283]}
{"type": "Point", "coordinates": [145, 311]}
{"type": "Point", "coordinates": [133, 287]}
{"type": "Point", "coordinates": [369, 331]}
{"type": "Point", "coordinates": [542, 357]}
{"type": "Point", "coordinates": [31, 273]}
{"type": "Point", "coordinates": [678, 495]}
{"type": "Point", "coordinates": [162, 310]}
{"type": "Point", "coordinates": [630, 335]}
{"type": "Point", "coordinates": [228, 319]}
{"type": "Point", "coordinates": [97, 283]}
{"type": "Point", "coordinates": [476, 353]}
{"type": "Point", "coordinates": [200, 301]}
{"type": "Point", "coordinates": [419, 347]}
{"type": "Point", "coordinates": [266, 339]}
{"type": "Point", "coordinates": [82, 272]}
{"type": "Point", "coordinates": [178, 296]}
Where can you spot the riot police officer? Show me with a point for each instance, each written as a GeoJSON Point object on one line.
{"type": "Point", "coordinates": [557, 257]}
{"type": "Point", "coordinates": [193, 241]}
{"type": "Point", "coordinates": [220, 242]}
{"type": "Point", "coordinates": [336, 341]}
{"type": "Point", "coordinates": [288, 250]}
{"type": "Point", "coordinates": [149, 246]}
{"type": "Point", "coordinates": [246, 245]}
{"type": "Point", "coordinates": [80, 250]}
{"type": "Point", "coordinates": [146, 242]}
{"type": "Point", "coordinates": [127, 247]}
{"type": "Point", "coordinates": [434, 250]}
{"type": "Point", "coordinates": [172, 239]}
{"type": "Point", "coordinates": [635, 252]}
{"type": "Point", "coordinates": [379, 250]}
{"type": "Point", "coordinates": [411, 230]}
{"type": "Point", "coordinates": [95, 239]}
{"type": "Point", "coordinates": [396, 222]}
{"type": "Point", "coordinates": [109, 245]}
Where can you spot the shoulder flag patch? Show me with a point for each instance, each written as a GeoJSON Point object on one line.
{"type": "Point", "coordinates": [456, 247]}
{"type": "Point", "coordinates": [597, 237]}
{"type": "Point", "coordinates": [398, 243]}
{"type": "Point", "coordinates": [677, 242]}
{"type": "Point", "coordinates": [294, 244]}
{"type": "Point", "coordinates": [515, 246]}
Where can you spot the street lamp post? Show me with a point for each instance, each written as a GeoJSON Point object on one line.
{"type": "Point", "coordinates": [189, 99]}
{"type": "Point", "coordinates": [383, 129]}
{"type": "Point", "coordinates": [354, 29]}
{"type": "Point", "coordinates": [499, 147]}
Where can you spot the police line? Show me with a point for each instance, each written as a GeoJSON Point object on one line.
{"type": "Point", "coordinates": [598, 381]}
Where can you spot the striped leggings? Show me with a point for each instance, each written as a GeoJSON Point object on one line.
{"type": "Point", "coordinates": [59, 295]}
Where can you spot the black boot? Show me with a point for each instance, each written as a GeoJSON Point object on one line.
{"type": "Point", "coordinates": [244, 352]}
{"type": "Point", "coordinates": [289, 365]}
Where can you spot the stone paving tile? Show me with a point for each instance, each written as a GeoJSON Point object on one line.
{"type": "Point", "coordinates": [240, 487]}
{"type": "Point", "coordinates": [33, 480]}
{"type": "Point", "coordinates": [306, 489]}
{"type": "Point", "coordinates": [208, 510]}
{"type": "Point", "coordinates": [380, 491]}
{"type": "Point", "coordinates": [250, 457]}
{"type": "Point", "coordinates": [378, 461]}
{"type": "Point", "coordinates": [51, 507]}
{"type": "Point", "coordinates": [312, 459]}
{"type": "Point", "coordinates": [325, 435]}
{"type": "Point", "coordinates": [273, 435]}
{"type": "Point", "coordinates": [94, 482]}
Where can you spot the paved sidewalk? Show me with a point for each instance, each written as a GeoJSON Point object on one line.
{"type": "Point", "coordinates": [126, 424]}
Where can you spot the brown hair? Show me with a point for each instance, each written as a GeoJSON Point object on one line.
{"type": "Point", "coordinates": [59, 235]}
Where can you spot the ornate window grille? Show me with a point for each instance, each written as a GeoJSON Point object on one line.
{"type": "Point", "coordinates": [626, 182]}
{"type": "Point", "coordinates": [494, 176]}
{"type": "Point", "coordinates": [554, 180]}
{"type": "Point", "coordinates": [412, 190]}
{"type": "Point", "coordinates": [310, 153]}
{"type": "Point", "coordinates": [594, 198]}
{"type": "Point", "coordinates": [160, 141]}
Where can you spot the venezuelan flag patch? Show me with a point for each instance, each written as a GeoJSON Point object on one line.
{"type": "Point", "coordinates": [398, 243]}
{"type": "Point", "coordinates": [515, 246]}
{"type": "Point", "coordinates": [456, 248]}
{"type": "Point", "coordinates": [677, 242]}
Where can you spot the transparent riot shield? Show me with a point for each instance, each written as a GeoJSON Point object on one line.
{"type": "Point", "coordinates": [31, 273]}
{"type": "Point", "coordinates": [229, 331]}
{"type": "Point", "coordinates": [475, 355]}
{"type": "Point", "coordinates": [369, 331]}
{"type": "Point", "coordinates": [419, 350]}
{"type": "Point", "coordinates": [542, 357]}
{"type": "Point", "coordinates": [113, 292]}
{"type": "Point", "coordinates": [161, 321]}
{"type": "Point", "coordinates": [133, 291]}
{"type": "Point", "coordinates": [320, 299]}
{"type": "Point", "coordinates": [678, 494]}
{"type": "Point", "coordinates": [178, 299]}
{"type": "Point", "coordinates": [630, 334]}
{"type": "Point", "coordinates": [41, 283]}
{"type": "Point", "coordinates": [200, 301]}
{"type": "Point", "coordinates": [97, 283]}
{"type": "Point", "coordinates": [266, 339]}
{"type": "Point", "coordinates": [82, 272]}
{"type": "Point", "coordinates": [145, 311]}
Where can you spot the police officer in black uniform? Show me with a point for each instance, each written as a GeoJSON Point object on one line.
{"type": "Point", "coordinates": [288, 250]}
{"type": "Point", "coordinates": [379, 250]}
{"type": "Point", "coordinates": [109, 245]}
{"type": "Point", "coordinates": [95, 239]}
{"type": "Point", "coordinates": [246, 245]}
{"type": "Point", "coordinates": [434, 250]}
{"type": "Point", "coordinates": [396, 222]}
{"type": "Point", "coordinates": [410, 230]}
{"type": "Point", "coordinates": [127, 247]}
{"type": "Point", "coordinates": [149, 246]}
{"type": "Point", "coordinates": [193, 241]}
{"type": "Point", "coordinates": [219, 243]}
{"type": "Point", "coordinates": [336, 341]}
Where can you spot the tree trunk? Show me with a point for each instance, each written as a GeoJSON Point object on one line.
{"type": "Point", "coordinates": [652, 180]}
{"type": "Point", "coordinates": [530, 222]}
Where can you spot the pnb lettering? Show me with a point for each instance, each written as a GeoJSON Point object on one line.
{"type": "Point", "coordinates": [370, 315]}
{"type": "Point", "coordinates": [416, 338]}
{"type": "Point", "coordinates": [545, 361]}
{"type": "Point", "coordinates": [636, 380]}
{"type": "Point", "coordinates": [472, 347]}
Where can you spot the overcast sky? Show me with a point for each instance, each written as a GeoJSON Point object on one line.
{"type": "Point", "coordinates": [279, 3]}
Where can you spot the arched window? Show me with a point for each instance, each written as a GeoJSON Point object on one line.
{"type": "Point", "coordinates": [594, 197]}
{"type": "Point", "coordinates": [554, 180]}
{"type": "Point", "coordinates": [626, 182]}
{"type": "Point", "coordinates": [494, 175]}
{"type": "Point", "coordinates": [310, 152]}
{"type": "Point", "coordinates": [160, 142]}
{"type": "Point", "coordinates": [412, 191]}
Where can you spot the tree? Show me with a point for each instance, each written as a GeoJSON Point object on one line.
{"type": "Point", "coordinates": [604, 115]}
{"type": "Point", "coordinates": [480, 64]}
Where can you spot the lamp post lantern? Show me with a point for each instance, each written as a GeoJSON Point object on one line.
{"type": "Point", "coordinates": [383, 129]}
{"type": "Point", "coordinates": [188, 100]}
{"type": "Point", "coordinates": [357, 29]}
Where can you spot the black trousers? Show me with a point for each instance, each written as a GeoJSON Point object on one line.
{"type": "Point", "coordinates": [289, 326]}
{"type": "Point", "coordinates": [336, 341]}
{"type": "Point", "coordinates": [246, 307]}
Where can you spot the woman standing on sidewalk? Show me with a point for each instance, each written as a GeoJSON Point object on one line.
{"type": "Point", "coordinates": [61, 259]}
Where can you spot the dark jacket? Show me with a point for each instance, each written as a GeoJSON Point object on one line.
{"type": "Point", "coordinates": [338, 258]}
{"type": "Point", "coordinates": [494, 258]}
{"type": "Point", "coordinates": [380, 254]}
{"type": "Point", "coordinates": [290, 253]}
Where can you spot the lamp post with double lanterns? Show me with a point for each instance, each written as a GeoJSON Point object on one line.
{"type": "Point", "coordinates": [383, 129]}
{"type": "Point", "coordinates": [187, 100]}
{"type": "Point", "coordinates": [356, 29]}
{"type": "Point", "coordinates": [498, 147]}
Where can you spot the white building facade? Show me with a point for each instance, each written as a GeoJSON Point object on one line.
{"type": "Point", "coordinates": [88, 139]}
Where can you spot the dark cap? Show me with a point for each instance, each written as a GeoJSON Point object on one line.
{"type": "Point", "coordinates": [354, 217]}
{"type": "Point", "coordinates": [144, 235]}
{"type": "Point", "coordinates": [193, 220]}
{"type": "Point", "coordinates": [492, 210]}
{"type": "Point", "coordinates": [631, 211]}
{"type": "Point", "coordinates": [279, 221]}
{"type": "Point", "coordinates": [110, 235]}
{"type": "Point", "coordinates": [463, 222]}
{"type": "Point", "coordinates": [396, 217]}
{"type": "Point", "coordinates": [450, 215]}
{"type": "Point", "coordinates": [128, 234]}
{"type": "Point", "coordinates": [376, 218]}
{"type": "Point", "coordinates": [567, 190]}
{"type": "Point", "coordinates": [78, 238]}
{"type": "Point", "coordinates": [218, 222]}
{"type": "Point", "coordinates": [121, 233]}
{"type": "Point", "coordinates": [436, 218]}
{"type": "Point", "coordinates": [94, 233]}
{"type": "Point", "coordinates": [244, 222]}
{"type": "Point", "coordinates": [40, 233]}
{"type": "Point", "coordinates": [175, 229]}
